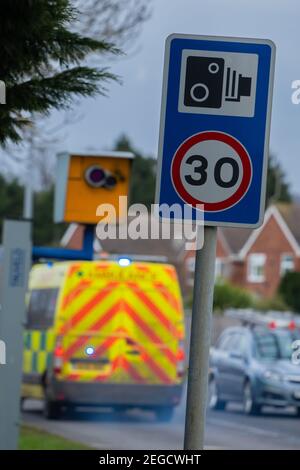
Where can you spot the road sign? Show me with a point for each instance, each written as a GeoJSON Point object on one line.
{"type": "Point", "coordinates": [213, 149]}
{"type": "Point", "coordinates": [215, 124]}
{"type": "Point", "coordinates": [14, 277]}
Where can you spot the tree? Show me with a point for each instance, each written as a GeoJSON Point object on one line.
{"type": "Point", "coordinates": [33, 161]}
{"type": "Point", "coordinates": [45, 232]}
{"type": "Point", "coordinates": [277, 187]}
{"type": "Point", "coordinates": [289, 289]}
{"type": "Point", "coordinates": [43, 61]}
{"type": "Point", "coordinates": [143, 174]}
{"type": "Point", "coordinates": [227, 295]}
{"type": "Point", "coordinates": [118, 21]}
{"type": "Point", "coordinates": [11, 195]}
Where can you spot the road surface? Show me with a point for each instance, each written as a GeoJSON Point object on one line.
{"type": "Point", "coordinates": [137, 430]}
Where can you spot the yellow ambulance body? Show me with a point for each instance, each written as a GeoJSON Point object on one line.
{"type": "Point", "coordinates": [108, 333]}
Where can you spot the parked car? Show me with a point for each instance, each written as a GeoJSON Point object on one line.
{"type": "Point", "coordinates": [253, 365]}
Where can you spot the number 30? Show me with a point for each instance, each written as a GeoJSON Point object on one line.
{"type": "Point", "coordinates": [201, 170]}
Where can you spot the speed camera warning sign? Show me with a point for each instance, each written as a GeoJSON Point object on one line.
{"type": "Point", "coordinates": [215, 125]}
{"type": "Point", "coordinates": [212, 169]}
{"type": "Point", "coordinates": [218, 83]}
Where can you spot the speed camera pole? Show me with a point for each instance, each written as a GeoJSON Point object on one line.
{"type": "Point", "coordinates": [200, 341]}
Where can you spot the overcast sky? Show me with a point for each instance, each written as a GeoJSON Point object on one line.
{"type": "Point", "coordinates": [134, 107]}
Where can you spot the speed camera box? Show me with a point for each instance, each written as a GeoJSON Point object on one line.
{"type": "Point", "coordinates": [84, 181]}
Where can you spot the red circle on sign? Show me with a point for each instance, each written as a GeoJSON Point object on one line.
{"type": "Point", "coordinates": [221, 137]}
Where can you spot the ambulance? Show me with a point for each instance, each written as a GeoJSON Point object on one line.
{"type": "Point", "coordinates": [104, 333]}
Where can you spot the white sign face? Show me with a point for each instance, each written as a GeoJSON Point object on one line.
{"type": "Point", "coordinates": [213, 169]}
{"type": "Point", "coordinates": [218, 83]}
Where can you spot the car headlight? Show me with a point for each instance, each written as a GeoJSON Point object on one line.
{"type": "Point", "coordinates": [272, 376]}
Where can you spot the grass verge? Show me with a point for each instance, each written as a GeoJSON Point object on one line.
{"type": "Point", "coordinates": [34, 439]}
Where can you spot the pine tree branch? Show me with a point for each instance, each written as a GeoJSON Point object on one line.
{"type": "Point", "coordinates": [42, 61]}
{"type": "Point", "coordinates": [42, 94]}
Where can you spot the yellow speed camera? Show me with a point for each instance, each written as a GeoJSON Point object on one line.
{"type": "Point", "coordinates": [84, 181]}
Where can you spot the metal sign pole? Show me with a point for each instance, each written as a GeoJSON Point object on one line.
{"type": "Point", "coordinates": [14, 279]}
{"type": "Point", "coordinates": [200, 341]}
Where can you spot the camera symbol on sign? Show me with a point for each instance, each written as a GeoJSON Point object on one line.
{"type": "Point", "coordinates": [205, 80]}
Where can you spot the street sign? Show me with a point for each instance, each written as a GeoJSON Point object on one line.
{"type": "Point", "coordinates": [215, 124]}
{"type": "Point", "coordinates": [15, 267]}
{"type": "Point", "coordinates": [213, 150]}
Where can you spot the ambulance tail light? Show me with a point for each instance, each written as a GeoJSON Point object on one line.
{"type": "Point", "coordinates": [180, 360]}
{"type": "Point", "coordinates": [58, 357]}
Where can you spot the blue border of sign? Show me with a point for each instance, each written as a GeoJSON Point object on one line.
{"type": "Point", "coordinates": [252, 132]}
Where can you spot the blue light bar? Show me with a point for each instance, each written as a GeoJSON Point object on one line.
{"type": "Point", "coordinates": [124, 262]}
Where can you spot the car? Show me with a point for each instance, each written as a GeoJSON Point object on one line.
{"type": "Point", "coordinates": [252, 364]}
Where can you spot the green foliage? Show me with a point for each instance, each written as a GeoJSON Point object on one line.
{"type": "Point", "coordinates": [42, 61]}
{"type": "Point", "coordinates": [143, 174]}
{"type": "Point", "coordinates": [11, 196]}
{"type": "Point", "coordinates": [228, 296]}
{"type": "Point", "coordinates": [289, 289]}
{"type": "Point", "coordinates": [277, 187]}
{"type": "Point", "coordinates": [274, 303]}
{"type": "Point", "coordinates": [45, 232]}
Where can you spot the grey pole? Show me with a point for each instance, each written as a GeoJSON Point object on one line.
{"type": "Point", "coordinates": [28, 187]}
{"type": "Point", "coordinates": [28, 201]}
{"type": "Point", "coordinates": [14, 277]}
{"type": "Point", "coordinates": [200, 341]}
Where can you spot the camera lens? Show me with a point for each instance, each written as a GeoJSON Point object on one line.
{"type": "Point", "coordinates": [110, 181]}
{"type": "Point", "coordinates": [95, 176]}
{"type": "Point", "coordinates": [199, 92]}
{"type": "Point", "coordinates": [213, 67]}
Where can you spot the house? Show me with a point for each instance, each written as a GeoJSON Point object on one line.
{"type": "Point", "coordinates": [257, 259]}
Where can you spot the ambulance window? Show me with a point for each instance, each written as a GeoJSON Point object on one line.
{"type": "Point", "coordinates": [41, 308]}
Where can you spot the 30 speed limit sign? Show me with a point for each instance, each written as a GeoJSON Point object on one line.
{"type": "Point", "coordinates": [211, 169]}
{"type": "Point", "coordinates": [215, 124]}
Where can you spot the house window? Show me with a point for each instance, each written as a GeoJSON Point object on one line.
{"type": "Point", "coordinates": [256, 267]}
{"type": "Point", "coordinates": [286, 264]}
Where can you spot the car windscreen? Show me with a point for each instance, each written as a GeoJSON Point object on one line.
{"type": "Point", "coordinates": [274, 344]}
